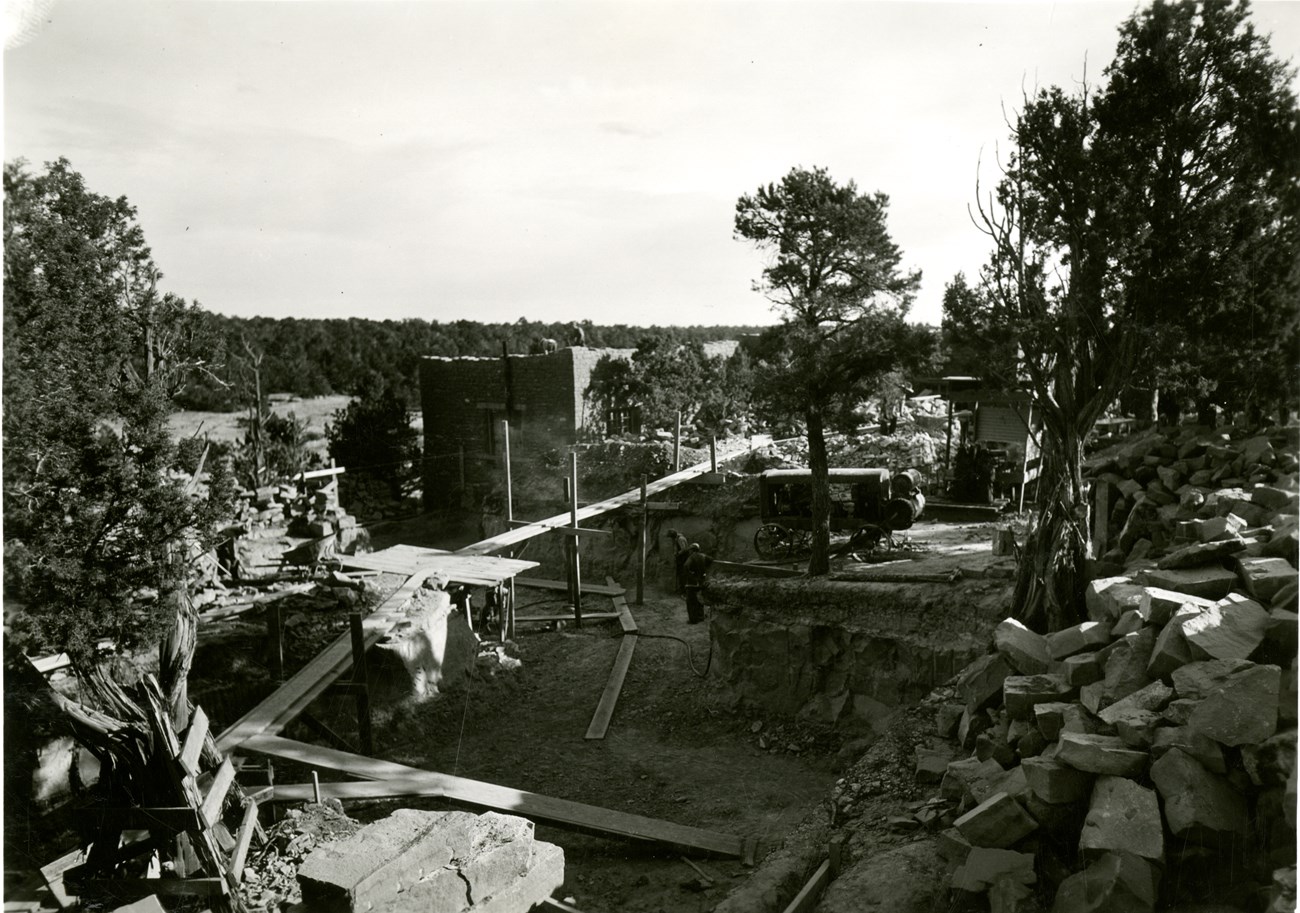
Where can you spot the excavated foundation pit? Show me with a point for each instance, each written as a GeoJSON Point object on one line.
{"type": "Point", "coordinates": [798, 671]}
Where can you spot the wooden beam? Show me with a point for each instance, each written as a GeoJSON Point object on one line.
{"type": "Point", "coordinates": [212, 802]}
{"type": "Point", "coordinates": [515, 536]}
{"type": "Point", "coordinates": [709, 478]}
{"type": "Point", "coordinates": [625, 619]}
{"type": "Point", "coordinates": [609, 698]}
{"type": "Point", "coordinates": [586, 616]}
{"type": "Point", "coordinates": [653, 506]}
{"type": "Point", "coordinates": [595, 589]}
{"type": "Point", "coordinates": [195, 736]}
{"type": "Point", "coordinates": [242, 841]}
{"type": "Point", "coordinates": [755, 570]}
{"type": "Point", "coordinates": [583, 531]}
{"type": "Point", "coordinates": [811, 892]}
{"type": "Point", "coordinates": [402, 781]}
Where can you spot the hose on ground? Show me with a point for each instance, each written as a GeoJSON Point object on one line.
{"type": "Point", "coordinates": [690, 658]}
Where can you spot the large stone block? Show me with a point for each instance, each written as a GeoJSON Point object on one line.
{"type": "Point", "coordinates": [1123, 817]}
{"type": "Point", "coordinates": [1151, 698]}
{"type": "Point", "coordinates": [984, 866]}
{"type": "Point", "coordinates": [1100, 754]}
{"type": "Point", "coordinates": [1171, 649]}
{"type": "Point", "coordinates": [1021, 692]}
{"type": "Point", "coordinates": [1273, 499]}
{"type": "Point", "coordinates": [1205, 750]}
{"type": "Point", "coordinates": [1200, 679]}
{"type": "Point", "coordinates": [1107, 598]}
{"type": "Point", "coordinates": [1126, 665]}
{"type": "Point", "coordinates": [1230, 629]}
{"type": "Point", "coordinates": [1206, 582]}
{"type": "Point", "coordinates": [1050, 718]}
{"type": "Point", "coordinates": [1199, 805]}
{"type": "Point", "coordinates": [1202, 553]}
{"type": "Point", "coordinates": [1115, 883]}
{"type": "Point", "coordinates": [1081, 669]}
{"type": "Point", "coordinates": [1264, 577]}
{"type": "Point", "coordinates": [998, 821]}
{"type": "Point", "coordinates": [1054, 782]}
{"type": "Point", "coordinates": [1158, 605]}
{"type": "Point", "coordinates": [1025, 650]}
{"type": "Point", "coordinates": [367, 869]}
{"type": "Point", "coordinates": [1088, 635]}
{"type": "Point", "coordinates": [966, 778]}
{"type": "Point", "coordinates": [1244, 709]}
{"type": "Point", "coordinates": [980, 683]}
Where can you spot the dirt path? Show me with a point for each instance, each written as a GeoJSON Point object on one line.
{"type": "Point", "coordinates": [675, 750]}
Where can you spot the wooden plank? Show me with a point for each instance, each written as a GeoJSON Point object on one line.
{"type": "Point", "coordinates": [609, 698]}
{"type": "Point", "coordinates": [755, 570]}
{"type": "Point", "coordinates": [401, 781]}
{"type": "Point", "coordinates": [811, 892]}
{"type": "Point", "coordinates": [320, 473]}
{"type": "Point", "coordinates": [586, 616]}
{"type": "Point", "coordinates": [125, 889]}
{"type": "Point", "coordinates": [710, 478]}
{"type": "Point", "coordinates": [53, 873]}
{"type": "Point", "coordinates": [192, 748]}
{"type": "Point", "coordinates": [515, 536]}
{"type": "Point", "coordinates": [242, 841]}
{"type": "Point", "coordinates": [663, 506]}
{"type": "Point", "coordinates": [595, 589]}
{"type": "Point", "coordinates": [217, 792]}
{"type": "Point", "coordinates": [583, 531]}
{"type": "Point", "coordinates": [625, 619]}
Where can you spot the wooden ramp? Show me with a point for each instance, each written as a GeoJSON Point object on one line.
{"type": "Point", "coordinates": [396, 780]}
{"type": "Point", "coordinates": [475, 570]}
{"type": "Point", "coordinates": [565, 520]}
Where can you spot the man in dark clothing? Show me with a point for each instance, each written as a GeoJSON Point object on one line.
{"type": "Point", "coordinates": [680, 554]}
{"type": "Point", "coordinates": [696, 567]}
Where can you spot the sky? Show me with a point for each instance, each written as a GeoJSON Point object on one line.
{"type": "Point", "coordinates": [550, 160]}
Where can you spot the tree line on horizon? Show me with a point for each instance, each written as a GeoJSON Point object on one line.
{"type": "Point", "coordinates": [323, 356]}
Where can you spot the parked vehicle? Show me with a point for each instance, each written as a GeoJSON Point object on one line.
{"type": "Point", "coordinates": [871, 504]}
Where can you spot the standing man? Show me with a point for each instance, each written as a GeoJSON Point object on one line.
{"type": "Point", "coordinates": [680, 554]}
{"type": "Point", "coordinates": [696, 567]}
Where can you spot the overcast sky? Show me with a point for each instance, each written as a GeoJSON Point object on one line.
{"type": "Point", "coordinates": [556, 161]}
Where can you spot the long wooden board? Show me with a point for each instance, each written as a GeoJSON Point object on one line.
{"type": "Point", "coordinates": [595, 589]}
{"type": "Point", "coordinates": [613, 688]}
{"type": "Point", "coordinates": [476, 570]}
{"type": "Point", "coordinates": [625, 619]}
{"type": "Point", "coordinates": [475, 794]}
{"type": "Point", "coordinates": [524, 533]}
{"type": "Point", "coordinates": [586, 616]}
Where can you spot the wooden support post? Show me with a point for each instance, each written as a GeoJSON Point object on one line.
{"type": "Point", "coordinates": [275, 638]}
{"type": "Point", "coordinates": [640, 566]}
{"type": "Point", "coordinates": [361, 676]}
{"type": "Point", "coordinates": [507, 621]}
{"type": "Point", "coordinates": [947, 447]}
{"type": "Point", "coordinates": [713, 453]}
{"type": "Point", "coordinates": [677, 443]}
{"type": "Point", "coordinates": [575, 566]}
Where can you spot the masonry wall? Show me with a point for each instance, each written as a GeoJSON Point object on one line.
{"type": "Point", "coordinates": [844, 652]}
{"type": "Point", "coordinates": [465, 399]}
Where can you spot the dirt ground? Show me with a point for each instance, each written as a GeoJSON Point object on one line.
{"type": "Point", "coordinates": [675, 750]}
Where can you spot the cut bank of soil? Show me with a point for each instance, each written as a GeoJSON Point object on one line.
{"type": "Point", "coordinates": [675, 750]}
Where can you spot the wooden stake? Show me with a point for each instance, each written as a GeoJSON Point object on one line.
{"type": "Point", "coordinates": [275, 638]}
{"type": "Point", "coordinates": [677, 443]}
{"type": "Point", "coordinates": [505, 455]}
{"type": "Point", "coordinates": [640, 567]}
{"type": "Point", "coordinates": [713, 453]}
{"type": "Point", "coordinates": [360, 675]}
{"type": "Point", "coordinates": [575, 561]}
{"type": "Point", "coordinates": [315, 787]}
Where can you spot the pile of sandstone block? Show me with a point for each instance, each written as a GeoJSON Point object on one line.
{"type": "Point", "coordinates": [1145, 758]}
{"type": "Point", "coordinates": [299, 510]}
{"type": "Point", "coordinates": [444, 861]}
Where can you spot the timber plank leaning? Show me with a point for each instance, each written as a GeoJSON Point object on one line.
{"type": "Point", "coordinates": [402, 781]}
{"type": "Point", "coordinates": [613, 688]}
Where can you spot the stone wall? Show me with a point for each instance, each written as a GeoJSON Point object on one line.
{"type": "Point", "coordinates": [543, 397]}
{"type": "Point", "coordinates": [844, 652]}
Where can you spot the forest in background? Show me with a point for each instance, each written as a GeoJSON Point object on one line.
{"type": "Point", "coordinates": [319, 357]}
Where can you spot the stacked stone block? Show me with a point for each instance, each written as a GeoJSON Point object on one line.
{"type": "Point", "coordinates": [1161, 770]}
